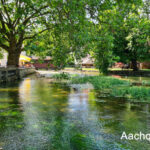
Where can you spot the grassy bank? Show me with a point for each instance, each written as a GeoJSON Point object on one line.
{"type": "Point", "coordinates": [112, 86]}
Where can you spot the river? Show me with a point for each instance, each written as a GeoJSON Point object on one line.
{"type": "Point", "coordinates": [36, 114]}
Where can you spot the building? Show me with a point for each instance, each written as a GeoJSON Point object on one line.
{"type": "Point", "coordinates": [87, 62]}
{"type": "Point", "coordinates": [145, 65]}
{"type": "Point", "coordinates": [46, 63]}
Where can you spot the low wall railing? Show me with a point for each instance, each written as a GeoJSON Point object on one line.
{"type": "Point", "coordinates": [11, 74]}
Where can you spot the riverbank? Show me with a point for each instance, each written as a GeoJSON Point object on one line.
{"type": "Point", "coordinates": [93, 71]}
{"type": "Point", "coordinates": [130, 73]}
{"type": "Point", "coordinates": [116, 71]}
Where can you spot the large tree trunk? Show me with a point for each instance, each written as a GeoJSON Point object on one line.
{"type": "Point", "coordinates": [13, 59]}
{"type": "Point", "coordinates": [134, 65]}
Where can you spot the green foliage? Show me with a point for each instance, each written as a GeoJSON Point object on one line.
{"type": "Point", "coordinates": [103, 53]}
{"type": "Point", "coordinates": [132, 36]}
{"type": "Point", "coordinates": [101, 82]}
{"type": "Point", "coordinates": [109, 30]}
{"type": "Point", "coordinates": [133, 93]}
{"type": "Point", "coordinates": [27, 20]}
{"type": "Point", "coordinates": [138, 38]}
{"type": "Point", "coordinates": [67, 40]}
{"type": "Point", "coordinates": [1, 53]}
{"type": "Point", "coordinates": [61, 76]}
{"type": "Point", "coordinates": [121, 33]}
{"type": "Point", "coordinates": [116, 87]}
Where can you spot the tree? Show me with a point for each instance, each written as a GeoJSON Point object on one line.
{"type": "Point", "coordinates": [21, 20]}
{"type": "Point", "coordinates": [131, 39]}
{"type": "Point", "coordinates": [108, 42]}
{"type": "Point", "coordinates": [68, 24]}
{"type": "Point", "coordinates": [125, 31]}
{"type": "Point", "coordinates": [68, 39]}
{"type": "Point", "coordinates": [138, 46]}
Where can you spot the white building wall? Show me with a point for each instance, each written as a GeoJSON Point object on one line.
{"type": "Point", "coordinates": [4, 60]}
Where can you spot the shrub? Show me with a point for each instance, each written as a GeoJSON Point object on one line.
{"type": "Point", "coordinates": [116, 87]}
{"type": "Point", "coordinates": [61, 76]}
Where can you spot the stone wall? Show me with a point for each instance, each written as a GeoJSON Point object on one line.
{"type": "Point", "coordinates": [11, 74]}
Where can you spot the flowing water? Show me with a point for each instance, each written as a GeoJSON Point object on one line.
{"type": "Point", "coordinates": [36, 114]}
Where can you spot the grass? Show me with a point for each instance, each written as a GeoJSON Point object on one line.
{"type": "Point", "coordinates": [84, 69]}
{"type": "Point", "coordinates": [134, 93]}
{"type": "Point", "coordinates": [145, 69]}
{"type": "Point", "coordinates": [112, 86]}
{"type": "Point", "coordinates": [117, 87]}
{"type": "Point", "coordinates": [119, 69]}
{"type": "Point", "coordinates": [65, 76]}
{"type": "Point", "coordinates": [101, 82]}
{"type": "Point", "coordinates": [146, 83]}
{"type": "Point", "coordinates": [110, 69]}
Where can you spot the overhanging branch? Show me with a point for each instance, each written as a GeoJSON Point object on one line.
{"type": "Point", "coordinates": [4, 46]}
{"type": "Point", "coordinates": [5, 10]}
{"type": "Point", "coordinates": [31, 37]}
{"type": "Point", "coordinates": [32, 15]}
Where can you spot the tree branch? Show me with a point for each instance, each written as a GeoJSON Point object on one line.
{"type": "Point", "coordinates": [5, 9]}
{"type": "Point", "coordinates": [3, 29]}
{"type": "Point", "coordinates": [31, 37]}
{"type": "Point", "coordinates": [18, 5]}
{"type": "Point", "coordinates": [32, 15]}
{"type": "Point", "coordinates": [4, 46]}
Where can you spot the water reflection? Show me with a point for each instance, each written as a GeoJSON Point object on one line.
{"type": "Point", "coordinates": [32, 129]}
{"type": "Point", "coordinates": [40, 115]}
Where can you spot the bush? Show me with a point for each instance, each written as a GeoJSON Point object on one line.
{"type": "Point", "coordinates": [116, 87]}
{"type": "Point", "coordinates": [100, 82]}
{"type": "Point", "coordinates": [61, 76]}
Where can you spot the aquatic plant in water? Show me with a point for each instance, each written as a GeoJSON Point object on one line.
{"type": "Point", "coordinates": [116, 87]}
{"type": "Point", "coordinates": [61, 76]}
